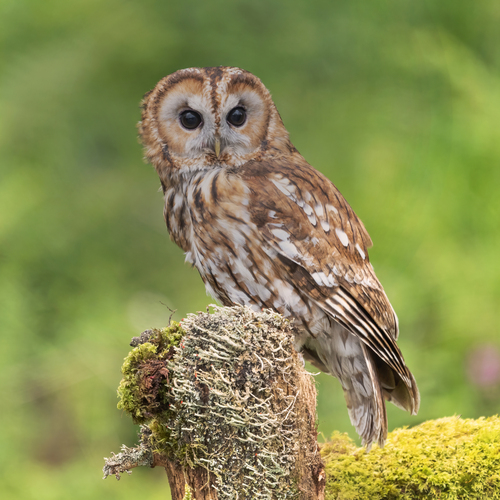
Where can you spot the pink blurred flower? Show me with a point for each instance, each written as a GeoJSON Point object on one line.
{"type": "Point", "coordinates": [483, 365]}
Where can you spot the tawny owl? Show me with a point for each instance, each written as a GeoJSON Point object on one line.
{"type": "Point", "coordinates": [265, 229]}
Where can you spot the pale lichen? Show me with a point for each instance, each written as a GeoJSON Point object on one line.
{"type": "Point", "coordinates": [127, 459]}
{"type": "Point", "coordinates": [222, 395]}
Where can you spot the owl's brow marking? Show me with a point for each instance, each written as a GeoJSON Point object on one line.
{"type": "Point", "coordinates": [243, 78]}
{"type": "Point", "coordinates": [171, 81]}
{"type": "Point", "coordinates": [215, 77]}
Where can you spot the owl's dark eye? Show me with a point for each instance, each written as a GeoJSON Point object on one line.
{"type": "Point", "coordinates": [237, 116]}
{"type": "Point", "coordinates": [190, 119]}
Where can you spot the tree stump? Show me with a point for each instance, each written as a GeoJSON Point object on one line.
{"type": "Point", "coordinates": [226, 407]}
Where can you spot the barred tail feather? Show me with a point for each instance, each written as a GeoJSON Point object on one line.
{"type": "Point", "coordinates": [348, 359]}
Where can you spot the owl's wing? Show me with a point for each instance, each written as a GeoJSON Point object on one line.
{"type": "Point", "coordinates": [323, 245]}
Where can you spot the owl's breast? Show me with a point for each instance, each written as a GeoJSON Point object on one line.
{"type": "Point", "coordinates": [210, 218]}
{"type": "Point", "coordinates": [207, 216]}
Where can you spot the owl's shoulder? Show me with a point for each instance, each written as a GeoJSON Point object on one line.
{"type": "Point", "coordinates": [297, 190]}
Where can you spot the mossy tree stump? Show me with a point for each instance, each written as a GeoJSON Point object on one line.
{"type": "Point", "coordinates": [225, 406]}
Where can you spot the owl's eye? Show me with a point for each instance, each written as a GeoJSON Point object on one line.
{"type": "Point", "coordinates": [190, 119]}
{"type": "Point", "coordinates": [237, 116]}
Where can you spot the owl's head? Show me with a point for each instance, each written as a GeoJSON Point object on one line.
{"type": "Point", "coordinates": [201, 117]}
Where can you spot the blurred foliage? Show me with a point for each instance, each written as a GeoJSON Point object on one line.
{"type": "Point", "coordinates": [397, 102]}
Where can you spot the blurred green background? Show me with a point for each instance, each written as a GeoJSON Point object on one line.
{"type": "Point", "coordinates": [397, 102]}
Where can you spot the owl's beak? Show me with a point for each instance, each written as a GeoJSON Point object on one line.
{"type": "Point", "coordinates": [217, 146]}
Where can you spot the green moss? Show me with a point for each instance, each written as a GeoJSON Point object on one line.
{"type": "Point", "coordinates": [445, 459]}
{"type": "Point", "coordinates": [128, 390]}
{"type": "Point", "coordinates": [188, 495]}
{"type": "Point", "coordinates": [141, 391]}
{"type": "Point", "coordinates": [168, 337]}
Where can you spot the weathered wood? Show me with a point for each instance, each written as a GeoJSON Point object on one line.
{"type": "Point", "coordinates": [197, 478]}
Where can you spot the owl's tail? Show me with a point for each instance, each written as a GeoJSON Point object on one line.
{"type": "Point", "coordinates": [353, 363]}
{"type": "Point", "coordinates": [365, 402]}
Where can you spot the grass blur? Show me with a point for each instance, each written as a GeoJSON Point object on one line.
{"type": "Point", "coordinates": [397, 102]}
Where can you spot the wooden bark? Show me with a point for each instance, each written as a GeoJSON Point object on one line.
{"type": "Point", "coordinates": [198, 479]}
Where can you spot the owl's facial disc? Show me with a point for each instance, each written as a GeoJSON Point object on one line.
{"type": "Point", "coordinates": [213, 116]}
{"type": "Point", "coordinates": [186, 121]}
{"type": "Point", "coordinates": [193, 128]}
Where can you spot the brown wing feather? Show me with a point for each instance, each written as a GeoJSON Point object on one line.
{"type": "Point", "coordinates": [326, 253]}
{"type": "Point", "coordinates": [319, 249]}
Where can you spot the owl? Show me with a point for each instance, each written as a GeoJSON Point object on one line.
{"type": "Point", "coordinates": [267, 230]}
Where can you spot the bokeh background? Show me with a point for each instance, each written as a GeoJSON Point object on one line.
{"type": "Point", "coordinates": [398, 102]}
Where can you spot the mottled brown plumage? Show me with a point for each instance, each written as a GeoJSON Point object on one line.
{"type": "Point", "coordinates": [266, 229]}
